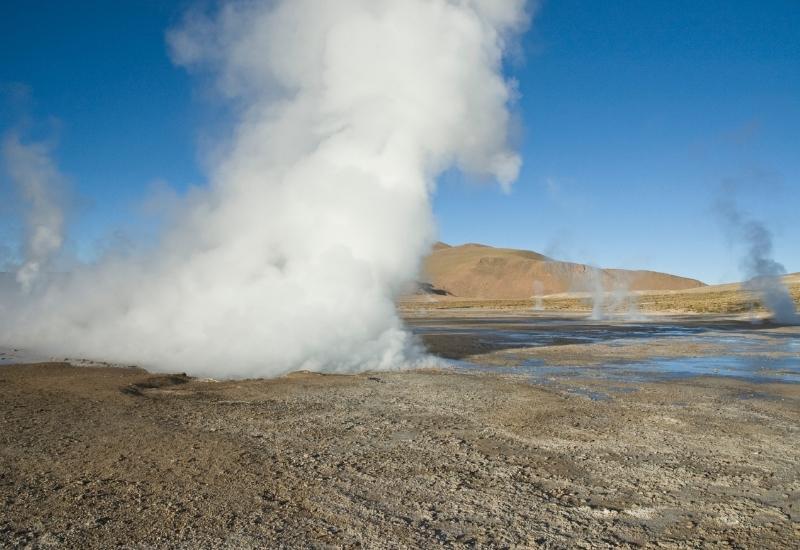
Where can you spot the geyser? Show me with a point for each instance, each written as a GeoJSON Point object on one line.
{"type": "Point", "coordinates": [763, 273]}
{"type": "Point", "coordinates": [317, 213]}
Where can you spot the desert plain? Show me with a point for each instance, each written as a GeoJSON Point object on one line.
{"type": "Point", "coordinates": [536, 429]}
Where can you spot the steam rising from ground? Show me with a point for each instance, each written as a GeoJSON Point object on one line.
{"type": "Point", "coordinates": [763, 273]}
{"type": "Point", "coordinates": [619, 302]}
{"type": "Point", "coordinates": [598, 294]}
{"type": "Point", "coordinates": [318, 213]}
{"type": "Point", "coordinates": [538, 291]}
{"type": "Point", "coordinates": [37, 179]}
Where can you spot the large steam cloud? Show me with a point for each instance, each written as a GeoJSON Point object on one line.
{"type": "Point", "coordinates": [318, 213]}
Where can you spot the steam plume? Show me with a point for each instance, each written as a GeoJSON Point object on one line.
{"type": "Point", "coordinates": [762, 272]}
{"type": "Point", "coordinates": [538, 290]}
{"type": "Point", "coordinates": [620, 302]}
{"type": "Point", "coordinates": [598, 294]}
{"type": "Point", "coordinates": [37, 179]}
{"type": "Point", "coordinates": [318, 212]}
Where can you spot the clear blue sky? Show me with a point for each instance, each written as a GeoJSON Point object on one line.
{"type": "Point", "coordinates": [632, 115]}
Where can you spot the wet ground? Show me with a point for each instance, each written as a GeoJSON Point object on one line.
{"type": "Point", "coordinates": [540, 432]}
{"type": "Point", "coordinates": [660, 348]}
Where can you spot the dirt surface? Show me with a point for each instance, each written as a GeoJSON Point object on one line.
{"type": "Point", "coordinates": [94, 457]}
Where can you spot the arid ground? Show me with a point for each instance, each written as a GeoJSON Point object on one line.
{"type": "Point", "coordinates": [727, 299]}
{"type": "Point", "coordinates": [542, 432]}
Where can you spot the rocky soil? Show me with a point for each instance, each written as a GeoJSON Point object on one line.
{"type": "Point", "coordinates": [94, 457]}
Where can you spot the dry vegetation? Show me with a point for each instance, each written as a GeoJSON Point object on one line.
{"type": "Point", "coordinates": [722, 299]}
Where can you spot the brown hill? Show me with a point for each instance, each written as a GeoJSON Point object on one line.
{"type": "Point", "coordinates": [485, 272]}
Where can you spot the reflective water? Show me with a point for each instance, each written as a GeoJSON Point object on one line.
{"type": "Point", "coordinates": [758, 353]}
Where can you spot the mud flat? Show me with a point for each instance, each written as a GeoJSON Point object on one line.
{"type": "Point", "coordinates": [466, 455]}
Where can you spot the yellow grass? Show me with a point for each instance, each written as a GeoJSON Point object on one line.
{"type": "Point", "coordinates": [722, 299]}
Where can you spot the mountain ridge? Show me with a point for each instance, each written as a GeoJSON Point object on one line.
{"type": "Point", "coordinates": [475, 270]}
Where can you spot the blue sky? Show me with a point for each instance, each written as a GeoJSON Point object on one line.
{"type": "Point", "coordinates": [632, 116]}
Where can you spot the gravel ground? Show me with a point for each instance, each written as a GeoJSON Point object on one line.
{"type": "Point", "coordinates": [96, 457]}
